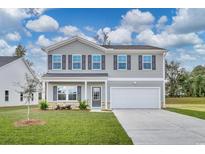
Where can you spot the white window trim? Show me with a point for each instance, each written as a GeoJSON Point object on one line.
{"type": "Point", "coordinates": [53, 61]}
{"type": "Point", "coordinates": [118, 62]}
{"type": "Point", "coordinates": [67, 100]}
{"type": "Point", "coordinates": [80, 62]}
{"type": "Point", "coordinates": [146, 62]}
{"type": "Point", "coordinates": [97, 62]}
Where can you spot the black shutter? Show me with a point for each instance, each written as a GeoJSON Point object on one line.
{"type": "Point", "coordinates": [83, 62]}
{"type": "Point", "coordinates": [79, 93]}
{"type": "Point", "coordinates": [153, 62]}
{"type": "Point", "coordinates": [49, 62]}
{"type": "Point", "coordinates": [63, 62]}
{"type": "Point", "coordinates": [128, 62]}
{"type": "Point", "coordinates": [140, 62]}
{"type": "Point", "coordinates": [54, 93]}
{"type": "Point", "coordinates": [103, 62]}
{"type": "Point", "coordinates": [70, 62]}
{"type": "Point", "coordinates": [115, 62]}
{"type": "Point", "coordinates": [89, 62]}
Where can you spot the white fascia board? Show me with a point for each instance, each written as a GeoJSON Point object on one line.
{"type": "Point", "coordinates": [135, 79]}
{"type": "Point", "coordinates": [68, 41]}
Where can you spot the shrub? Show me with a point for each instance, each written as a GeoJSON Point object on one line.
{"type": "Point", "coordinates": [43, 105]}
{"type": "Point", "coordinates": [83, 105]}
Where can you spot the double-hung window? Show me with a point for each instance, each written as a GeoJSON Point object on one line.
{"type": "Point", "coordinates": [72, 92]}
{"type": "Point", "coordinates": [122, 62]}
{"type": "Point", "coordinates": [6, 95]}
{"type": "Point", "coordinates": [96, 62]}
{"type": "Point", "coordinates": [62, 93]}
{"type": "Point", "coordinates": [147, 62]}
{"type": "Point", "coordinates": [77, 62]}
{"type": "Point", "coordinates": [57, 62]}
{"type": "Point", "coordinates": [67, 93]}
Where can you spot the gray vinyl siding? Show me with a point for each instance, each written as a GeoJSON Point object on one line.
{"type": "Point", "coordinates": [80, 48]}
{"type": "Point", "coordinates": [89, 85]}
{"type": "Point", "coordinates": [110, 84]}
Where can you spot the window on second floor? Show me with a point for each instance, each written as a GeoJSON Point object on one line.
{"type": "Point", "coordinates": [96, 62]}
{"type": "Point", "coordinates": [122, 62]}
{"type": "Point", "coordinates": [6, 95]}
{"type": "Point", "coordinates": [77, 62]}
{"type": "Point", "coordinates": [147, 62]}
{"type": "Point", "coordinates": [57, 62]}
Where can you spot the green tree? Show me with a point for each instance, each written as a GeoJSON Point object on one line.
{"type": "Point", "coordinates": [174, 76]}
{"type": "Point", "coordinates": [20, 51]}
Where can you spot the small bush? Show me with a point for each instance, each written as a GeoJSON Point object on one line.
{"type": "Point", "coordinates": [43, 105]}
{"type": "Point", "coordinates": [83, 105]}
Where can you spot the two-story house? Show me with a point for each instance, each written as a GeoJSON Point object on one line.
{"type": "Point", "coordinates": [111, 76]}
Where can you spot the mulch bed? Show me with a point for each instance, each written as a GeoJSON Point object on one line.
{"type": "Point", "coordinates": [31, 122]}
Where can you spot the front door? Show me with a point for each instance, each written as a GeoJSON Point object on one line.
{"type": "Point", "coordinates": [96, 97]}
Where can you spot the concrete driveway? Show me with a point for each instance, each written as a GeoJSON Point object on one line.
{"type": "Point", "coordinates": [146, 126]}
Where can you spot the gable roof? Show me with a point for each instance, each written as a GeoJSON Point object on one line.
{"type": "Point", "coordinates": [7, 59]}
{"type": "Point", "coordinates": [100, 47]}
{"type": "Point", "coordinates": [68, 41]}
{"type": "Point", "coordinates": [131, 47]}
{"type": "Point", "coordinates": [4, 60]}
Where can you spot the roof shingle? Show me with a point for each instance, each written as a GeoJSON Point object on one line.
{"type": "Point", "coordinates": [131, 47]}
{"type": "Point", "coordinates": [7, 59]}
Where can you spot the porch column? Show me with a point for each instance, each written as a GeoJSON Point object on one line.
{"type": "Point", "coordinates": [86, 90]}
{"type": "Point", "coordinates": [46, 91]}
{"type": "Point", "coordinates": [43, 90]}
{"type": "Point", "coordinates": [105, 94]}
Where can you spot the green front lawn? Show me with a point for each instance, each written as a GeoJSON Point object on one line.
{"type": "Point", "coordinates": [63, 127]}
{"type": "Point", "coordinates": [192, 106]}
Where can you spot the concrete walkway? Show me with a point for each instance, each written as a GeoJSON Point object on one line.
{"type": "Point", "coordinates": [146, 126]}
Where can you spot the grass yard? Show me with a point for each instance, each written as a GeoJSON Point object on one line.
{"type": "Point", "coordinates": [62, 127]}
{"type": "Point", "coordinates": [191, 106]}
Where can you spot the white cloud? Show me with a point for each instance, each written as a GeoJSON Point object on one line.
{"type": "Point", "coordinates": [37, 57]}
{"type": "Point", "coordinates": [70, 30]}
{"type": "Point", "coordinates": [89, 28]}
{"type": "Point", "coordinates": [43, 24]}
{"type": "Point", "coordinates": [183, 57]}
{"type": "Point", "coordinates": [6, 49]}
{"type": "Point", "coordinates": [188, 20]}
{"type": "Point", "coordinates": [43, 41]}
{"type": "Point", "coordinates": [15, 36]}
{"type": "Point", "coordinates": [137, 21]}
{"type": "Point", "coordinates": [133, 21]}
{"type": "Point", "coordinates": [13, 19]}
{"type": "Point", "coordinates": [200, 48]}
{"type": "Point", "coordinates": [161, 23]}
{"type": "Point", "coordinates": [165, 39]}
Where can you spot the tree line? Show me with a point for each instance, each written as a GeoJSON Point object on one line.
{"type": "Point", "coordinates": [180, 82]}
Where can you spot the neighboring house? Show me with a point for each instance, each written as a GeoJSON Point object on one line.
{"type": "Point", "coordinates": [110, 76]}
{"type": "Point", "coordinates": [12, 73]}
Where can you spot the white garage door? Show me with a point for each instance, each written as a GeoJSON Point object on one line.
{"type": "Point", "coordinates": [135, 97]}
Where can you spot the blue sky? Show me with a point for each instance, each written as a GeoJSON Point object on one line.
{"type": "Point", "coordinates": [180, 31]}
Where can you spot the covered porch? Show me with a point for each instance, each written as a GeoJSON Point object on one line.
{"type": "Point", "coordinates": [72, 90]}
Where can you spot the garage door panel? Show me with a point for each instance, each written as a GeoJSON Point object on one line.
{"type": "Point", "coordinates": [135, 97]}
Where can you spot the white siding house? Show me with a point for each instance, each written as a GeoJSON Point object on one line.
{"type": "Point", "coordinates": [12, 71]}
